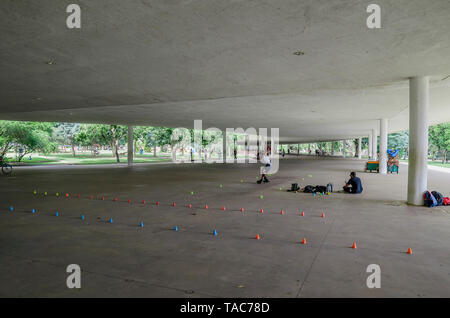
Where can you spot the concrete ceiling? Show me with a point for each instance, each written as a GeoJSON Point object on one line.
{"type": "Point", "coordinates": [228, 62]}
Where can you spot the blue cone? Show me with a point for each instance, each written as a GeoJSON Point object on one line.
{"type": "Point", "coordinates": [33, 211]}
{"type": "Point", "coordinates": [57, 213]}
{"type": "Point", "coordinates": [141, 224]}
{"type": "Point", "coordinates": [82, 217]}
{"type": "Point", "coordinates": [111, 220]}
{"type": "Point", "coordinates": [11, 208]}
{"type": "Point", "coordinates": [215, 232]}
{"type": "Point", "coordinates": [175, 228]}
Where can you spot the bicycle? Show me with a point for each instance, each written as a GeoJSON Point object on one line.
{"type": "Point", "coordinates": [6, 168]}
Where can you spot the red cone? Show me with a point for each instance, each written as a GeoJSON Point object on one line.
{"type": "Point", "coordinates": [261, 211]}
{"type": "Point", "coordinates": [189, 205]}
{"type": "Point", "coordinates": [281, 212]}
{"type": "Point", "coordinates": [173, 203]}
{"type": "Point", "coordinates": [242, 209]}
{"type": "Point", "coordinates": [223, 208]}
{"type": "Point", "coordinates": [303, 241]}
{"type": "Point", "coordinates": [206, 206]}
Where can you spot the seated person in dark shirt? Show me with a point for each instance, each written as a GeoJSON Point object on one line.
{"type": "Point", "coordinates": [353, 185]}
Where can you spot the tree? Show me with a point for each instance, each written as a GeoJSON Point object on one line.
{"type": "Point", "coordinates": [66, 133]}
{"type": "Point", "coordinates": [439, 137]}
{"type": "Point", "coordinates": [399, 141]}
{"type": "Point", "coordinates": [105, 135]}
{"type": "Point", "coordinates": [26, 137]}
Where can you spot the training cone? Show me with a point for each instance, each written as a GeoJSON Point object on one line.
{"type": "Point", "coordinates": [141, 224]}
{"type": "Point", "coordinates": [323, 215]}
{"type": "Point", "coordinates": [242, 209]}
{"type": "Point", "coordinates": [354, 245]}
{"type": "Point", "coordinates": [11, 208]}
{"type": "Point", "coordinates": [215, 232]}
{"type": "Point", "coordinates": [157, 202]}
{"type": "Point", "coordinates": [223, 208]}
{"type": "Point", "coordinates": [282, 212]}
{"type": "Point", "coordinates": [143, 201]}
{"type": "Point", "coordinates": [91, 197]}
{"type": "Point", "coordinates": [303, 213]}
{"type": "Point", "coordinates": [45, 193]}
{"type": "Point", "coordinates": [33, 211]}
{"type": "Point", "coordinates": [111, 220]}
{"type": "Point", "coordinates": [206, 206]}
{"type": "Point", "coordinates": [261, 211]}
{"type": "Point", "coordinates": [82, 218]}
{"type": "Point", "coordinates": [409, 251]}
{"type": "Point", "coordinates": [34, 192]}
{"type": "Point", "coordinates": [303, 241]}
{"type": "Point", "coordinates": [67, 195]}
{"type": "Point", "coordinates": [189, 205]}
{"type": "Point", "coordinates": [115, 199]}
{"type": "Point", "coordinates": [78, 196]}
{"type": "Point", "coordinates": [175, 228]}
{"type": "Point", "coordinates": [57, 213]}
{"type": "Point", "coordinates": [57, 194]}
{"type": "Point", "coordinates": [103, 198]}
{"type": "Point", "coordinates": [129, 201]}
{"type": "Point", "coordinates": [257, 236]}
{"type": "Point", "coordinates": [173, 203]}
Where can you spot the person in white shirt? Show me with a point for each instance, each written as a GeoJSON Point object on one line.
{"type": "Point", "coordinates": [265, 169]}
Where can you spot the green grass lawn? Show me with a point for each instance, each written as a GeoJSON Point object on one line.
{"type": "Point", "coordinates": [86, 159]}
{"type": "Point", "coordinates": [434, 163]}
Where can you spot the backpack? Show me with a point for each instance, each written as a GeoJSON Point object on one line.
{"type": "Point", "coordinates": [294, 187]}
{"type": "Point", "coordinates": [439, 197]}
{"type": "Point", "coordinates": [429, 199]}
{"type": "Point", "coordinates": [446, 201]}
{"type": "Point", "coordinates": [321, 189]}
{"type": "Point", "coordinates": [308, 189]}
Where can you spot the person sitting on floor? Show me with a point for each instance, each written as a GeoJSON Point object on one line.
{"type": "Point", "coordinates": [353, 185]}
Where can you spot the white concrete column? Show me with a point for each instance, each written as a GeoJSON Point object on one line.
{"type": "Point", "coordinates": [130, 145]}
{"type": "Point", "coordinates": [383, 145]}
{"type": "Point", "coordinates": [343, 148]}
{"type": "Point", "coordinates": [419, 103]}
{"type": "Point", "coordinates": [369, 146]}
{"type": "Point", "coordinates": [359, 148]}
{"type": "Point", "coordinates": [374, 144]}
{"type": "Point", "coordinates": [224, 146]}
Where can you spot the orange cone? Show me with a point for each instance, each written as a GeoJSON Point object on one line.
{"type": "Point", "coordinates": [354, 245]}
{"type": "Point", "coordinates": [223, 208]}
{"type": "Point", "coordinates": [206, 206]}
{"type": "Point", "coordinates": [281, 212]}
{"type": "Point", "coordinates": [409, 251]}
{"type": "Point", "coordinates": [261, 211]}
{"type": "Point", "coordinates": [303, 241]}
{"type": "Point", "coordinates": [257, 236]}
{"type": "Point", "coordinates": [242, 209]}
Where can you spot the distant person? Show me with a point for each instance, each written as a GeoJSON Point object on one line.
{"type": "Point", "coordinates": [353, 185]}
{"type": "Point", "coordinates": [265, 169]}
{"type": "Point", "coordinates": [283, 153]}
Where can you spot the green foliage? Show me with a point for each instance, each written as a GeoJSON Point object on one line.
{"type": "Point", "coordinates": [399, 141]}
{"type": "Point", "coordinates": [439, 139]}
{"type": "Point", "coordinates": [26, 137]}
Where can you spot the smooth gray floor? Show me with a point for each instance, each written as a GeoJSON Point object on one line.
{"type": "Point", "coordinates": [124, 260]}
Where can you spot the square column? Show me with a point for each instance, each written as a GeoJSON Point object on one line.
{"type": "Point", "coordinates": [359, 147]}
{"type": "Point", "coordinates": [383, 145]}
{"type": "Point", "coordinates": [374, 144]}
{"type": "Point", "coordinates": [419, 103]}
{"type": "Point", "coordinates": [130, 145]}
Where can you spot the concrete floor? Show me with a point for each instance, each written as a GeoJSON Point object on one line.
{"type": "Point", "coordinates": [124, 260]}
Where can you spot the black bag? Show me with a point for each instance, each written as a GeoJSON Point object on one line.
{"type": "Point", "coordinates": [439, 197]}
{"type": "Point", "coordinates": [294, 187]}
{"type": "Point", "coordinates": [320, 189]}
{"type": "Point", "coordinates": [308, 189]}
